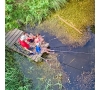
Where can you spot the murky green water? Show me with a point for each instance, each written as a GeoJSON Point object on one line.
{"type": "Point", "coordinates": [45, 75]}
{"type": "Point", "coordinates": [65, 71]}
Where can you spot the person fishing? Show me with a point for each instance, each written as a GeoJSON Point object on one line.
{"type": "Point", "coordinates": [24, 43]}
{"type": "Point", "coordinates": [38, 48]}
{"type": "Point", "coordinates": [30, 37]}
{"type": "Point", "coordinates": [42, 49]}
{"type": "Point", "coordinates": [39, 39]}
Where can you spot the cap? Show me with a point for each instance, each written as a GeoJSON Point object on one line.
{"type": "Point", "coordinates": [22, 38]}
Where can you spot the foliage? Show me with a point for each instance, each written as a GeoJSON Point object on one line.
{"type": "Point", "coordinates": [14, 80]}
{"type": "Point", "coordinates": [48, 84]}
{"type": "Point", "coordinates": [19, 13]}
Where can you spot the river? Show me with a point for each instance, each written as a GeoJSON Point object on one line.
{"type": "Point", "coordinates": [76, 66]}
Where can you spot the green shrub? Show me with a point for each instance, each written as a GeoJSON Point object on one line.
{"type": "Point", "coordinates": [29, 11]}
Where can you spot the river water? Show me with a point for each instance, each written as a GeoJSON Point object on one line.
{"type": "Point", "coordinates": [77, 63]}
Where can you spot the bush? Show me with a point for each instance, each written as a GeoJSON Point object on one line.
{"type": "Point", "coordinates": [29, 11]}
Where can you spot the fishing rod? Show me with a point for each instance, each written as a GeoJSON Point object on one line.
{"type": "Point", "coordinates": [59, 46]}
{"type": "Point", "coordinates": [53, 39]}
{"type": "Point", "coordinates": [69, 52]}
{"type": "Point", "coordinates": [46, 60]}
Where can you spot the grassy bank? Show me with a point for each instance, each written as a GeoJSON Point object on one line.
{"type": "Point", "coordinates": [14, 79]}
{"type": "Point", "coordinates": [69, 24]}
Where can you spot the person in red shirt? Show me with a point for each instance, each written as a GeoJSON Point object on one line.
{"type": "Point", "coordinates": [24, 43]}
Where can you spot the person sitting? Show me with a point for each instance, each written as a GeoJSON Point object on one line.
{"type": "Point", "coordinates": [41, 49]}
{"type": "Point", "coordinates": [45, 50]}
{"type": "Point", "coordinates": [23, 42]}
{"type": "Point", "coordinates": [36, 40]}
{"type": "Point", "coordinates": [31, 37]}
{"type": "Point", "coordinates": [38, 48]}
{"type": "Point", "coordinates": [24, 36]}
{"type": "Point", "coordinates": [39, 39]}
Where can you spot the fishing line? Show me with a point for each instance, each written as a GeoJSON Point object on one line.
{"type": "Point", "coordinates": [72, 66]}
{"type": "Point", "coordinates": [53, 39]}
{"type": "Point", "coordinates": [61, 63]}
{"type": "Point", "coordinates": [69, 52]}
{"type": "Point", "coordinates": [59, 46]}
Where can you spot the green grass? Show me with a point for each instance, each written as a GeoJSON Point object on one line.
{"type": "Point", "coordinates": [21, 12]}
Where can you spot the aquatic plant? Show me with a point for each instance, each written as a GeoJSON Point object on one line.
{"type": "Point", "coordinates": [48, 85]}
{"type": "Point", "coordinates": [86, 81]}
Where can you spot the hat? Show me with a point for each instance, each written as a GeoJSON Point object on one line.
{"type": "Point", "coordinates": [22, 38]}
